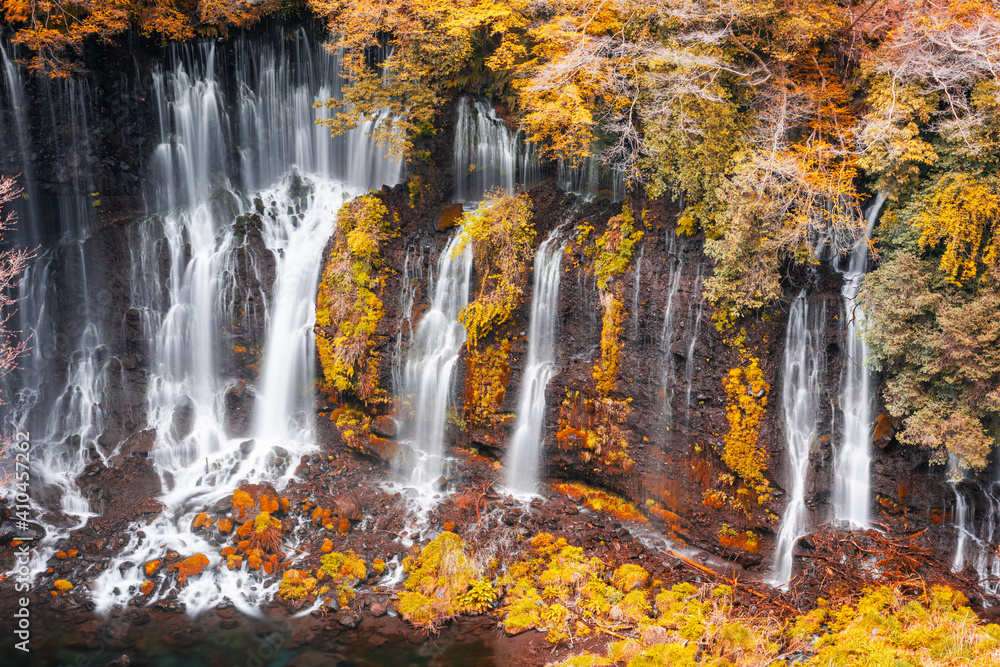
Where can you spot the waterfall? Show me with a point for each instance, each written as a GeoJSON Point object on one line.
{"type": "Point", "coordinates": [689, 360]}
{"type": "Point", "coordinates": [852, 482]}
{"type": "Point", "coordinates": [523, 458]}
{"type": "Point", "coordinates": [802, 384]}
{"type": "Point", "coordinates": [425, 393]}
{"type": "Point", "coordinates": [16, 112]}
{"type": "Point", "coordinates": [975, 532]}
{"type": "Point", "coordinates": [588, 180]}
{"type": "Point", "coordinates": [230, 149]}
{"type": "Point", "coordinates": [667, 341]}
{"type": "Point", "coordinates": [487, 155]}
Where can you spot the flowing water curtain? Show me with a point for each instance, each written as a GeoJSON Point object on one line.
{"type": "Point", "coordinates": [488, 155]}
{"type": "Point", "coordinates": [203, 229]}
{"type": "Point", "coordinates": [802, 388]}
{"type": "Point", "coordinates": [525, 449]}
{"type": "Point", "coordinates": [426, 390]}
{"type": "Point", "coordinates": [852, 476]}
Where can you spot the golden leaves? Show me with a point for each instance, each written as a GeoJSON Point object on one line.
{"type": "Point", "coordinates": [962, 213]}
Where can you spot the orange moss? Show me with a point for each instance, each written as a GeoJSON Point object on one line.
{"type": "Point", "coordinates": [606, 371]}
{"type": "Point", "coordinates": [61, 555]}
{"type": "Point", "coordinates": [147, 587]}
{"type": "Point", "coordinates": [242, 505]}
{"type": "Point", "coordinates": [152, 566]}
{"type": "Point", "coordinates": [343, 526]}
{"type": "Point", "coordinates": [72, 553]}
{"type": "Point", "coordinates": [62, 585]}
{"type": "Point", "coordinates": [190, 567]}
{"type": "Point", "coordinates": [449, 526]}
{"type": "Point", "coordinates": [601, 501]}
{"type": "Point", "coordinates": [734, 539]}
{"type": "Point", "coordinates": [714, 498]}
{"type": "Point", "coordinates": [234, 561]}
{"type": "Point", "coordinates": [327, 546]}
{"type": "Point", "coordinates": [486, 383]}
{"type": "Point", "coordinates": [747, 393]}
{"type": "Point", "coordinates": [225, 526]}
{"type": "Point", "coordinates": [595, 430]}
{"type": "Point", "coordinates": [269, 503]}
{"type": "Point", "coordinates": [202, 520]}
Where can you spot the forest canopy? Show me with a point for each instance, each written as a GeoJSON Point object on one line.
{"type": "Point", "coordinates": [770, 122]}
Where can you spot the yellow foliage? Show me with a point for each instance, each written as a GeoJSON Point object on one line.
{"type": "Point", "coordinates": [348, 307]}
{"type": "Point", "coordinates": [962, 213]}
{"type": "Point", "coordinates": [297, 585]}
{"type": "Point", "coordinates": [602, 501]}
{"type": "Point", "coordinates": [443, 582]}
{"type": "Point", "coordinates": [606, 372]}
{"type": "Point", "coordinates": [746, 391]}
{"type": "Point", "coordinates": [486, 383]}
{"type": "Point", "coordinates": [502, 238]}
{"type": "Point", "coordinates": [613, 250]}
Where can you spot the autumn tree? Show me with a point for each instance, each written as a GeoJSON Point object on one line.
{"type": "Point", "coordinates": [55, 31]}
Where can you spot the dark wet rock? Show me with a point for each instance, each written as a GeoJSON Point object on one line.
{"type": "Point", "coordinates": [246, 447]}
{"type": "Point", "coordinates": [347, 618]}
{"type": "Point", "coordinates": [126, 491]}
{"type": "Point", "coordinates": [448, 216]}
{"type": "Point", "coordinates": [11, 529]}
{"type": "Point", "coordinates": [384, 427]}
{"type": "Point", "coordinates": [139, 444]}
{"type": "Point", "coordinates": [182, 421]}
{"type": "Point", "coordinates": [347, 506]}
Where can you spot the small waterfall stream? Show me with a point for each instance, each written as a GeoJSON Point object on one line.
{"type": "Point", "coordinates": [668, 340]}
{"type": "Point", "coordinates": [800, 396]}
{"type": "Point", "coordinates": [976, 531]}
{"type": "Point", "coordinates": [488, 155]}
{"type": "Point", "coordinates": [425, 393]}
{"type": "Point", "coordinates": [524, 451]}
{"type": "Point", "coordinates": [852, 478]}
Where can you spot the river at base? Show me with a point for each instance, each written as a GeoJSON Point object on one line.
{"type": "Point", "coordinates": [168, 641]}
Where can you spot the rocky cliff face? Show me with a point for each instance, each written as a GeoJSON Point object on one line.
{"type": "Point", "coordinates": [85, 158]}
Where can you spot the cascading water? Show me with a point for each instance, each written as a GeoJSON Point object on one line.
{"type": "Point", "coordinates": [524, 451]}
{"type": "Point", "coordinates": [667, 340]}
{"type": "Point", "coordinates": [488, 155]}
{"type": "Point", "coordinates": [425, 393]}
{"type": "Point", "coordinates": [802, 384]}
{"type": "Point", "coordinates": [852, 492]}
{"type": "Point", "coordinates": [588, 180]}
{"type": "Point", "coordinates": [689, 359]}
{"type": "Point", "coordinates": [183, 282]}
{"type": "Point", "coordinates": [975, 531]}
{"type": "Point", "coordinates": [16, 113]}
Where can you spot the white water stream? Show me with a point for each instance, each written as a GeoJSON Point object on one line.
{"type": "Point", "coordinates": [525, 449]}
{"type": "Point", "coordinates": [852, 477]}
{"type": "Point", "coordinates": [800, 402]}
{"type": "Point", "coordinates": [424, 396]}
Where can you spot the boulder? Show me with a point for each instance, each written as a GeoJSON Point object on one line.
{"type": "Point", "coordinates": [384, 427]}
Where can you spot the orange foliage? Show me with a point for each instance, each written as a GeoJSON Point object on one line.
{"type": "Point", "coordinates": [601, 501]}
{"type": "Point", "coordinates": [56, 30]}
{"type": "Point", "coordinates": [190, 567]}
